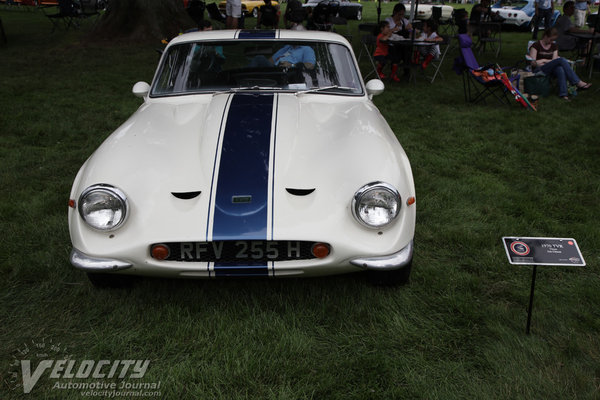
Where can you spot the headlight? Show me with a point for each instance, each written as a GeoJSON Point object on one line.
{"type": "Point", "coordinates": [376, 204]}
{"type": "Point", "coordinates": [103, 207]}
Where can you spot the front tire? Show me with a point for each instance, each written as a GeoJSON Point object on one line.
{"type": "Point", "coordinates": [394, 277]}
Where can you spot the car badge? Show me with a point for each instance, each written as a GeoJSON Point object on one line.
{"type": "Point", "coordinates": [241, 199]}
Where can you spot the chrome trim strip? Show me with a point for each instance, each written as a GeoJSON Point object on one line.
{"type": "Point", "coordinates": [393, 261]}
{"type": "Point", "coordinates": [96, 264]}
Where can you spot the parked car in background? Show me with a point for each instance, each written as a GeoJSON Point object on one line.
{"type": "Point", "coordinates": [254, 154]}
{"type": "Point", "coordinates": [425, 11]}
{"type": "Point", "coordinates": [519, 12]}
{"type": "Point", "coordinates": [249, 7]}
{"type": "Point", "coordinates": [347, 9]}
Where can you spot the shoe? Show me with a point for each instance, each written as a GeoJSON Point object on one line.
{"type": "Point", "coordinates": [427, 61]}
{"type": "Point", "coordinates": [394, 74]}
{"type": "Point", "coordinates": [566, 98]}
{"type": "Point", "coordinates": [380, 71]}
{"type": "Point", "coordinates": [584, 87]}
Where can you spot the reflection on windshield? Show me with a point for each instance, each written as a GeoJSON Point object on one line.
{"type": "Point", "coordinates": [266, 65]}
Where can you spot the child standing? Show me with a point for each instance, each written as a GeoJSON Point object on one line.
{"type": "Point", "coordinates": [382, 51]}
{"type": "Point", "coordinates": [428, 52]}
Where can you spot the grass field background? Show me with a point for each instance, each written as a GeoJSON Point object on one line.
{"type": "Point", "coordinates": [456, 332]}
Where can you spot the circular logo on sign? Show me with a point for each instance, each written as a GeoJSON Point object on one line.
{"type": "Point", "coordinates": [519, 248]}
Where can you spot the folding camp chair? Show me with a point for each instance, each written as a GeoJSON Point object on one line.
{"type": "Point", "coordinates": [437, 62]}
{"type": "Point", "coordinates": [479, 83]}
{"type": "Point", "coordinates": [368, 42]}
{"type": "Point", "coordinates": [340, 25]}
{"type": "Point", "coordinates": [489, 36]}
{"type": "Point", "coordinates": [89, 9]}
{"type": "Point", "coordinates": [64, 16]}
{"type": "Point", "coordinates": [215, 14]}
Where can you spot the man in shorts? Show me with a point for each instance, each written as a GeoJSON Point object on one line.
{"type": "Point", "coordinates": [581, 10]}
{"type": "Point", "coordinates": [233, 9]}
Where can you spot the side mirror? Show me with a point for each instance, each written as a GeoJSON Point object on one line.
{"type": "Point", "coordinates": [375, 87]}
{"type": "Point", "coordinates": [141, 89]}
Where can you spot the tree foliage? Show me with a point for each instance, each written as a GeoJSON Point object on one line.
{"type": "Point", "coordinates": [142, 20]}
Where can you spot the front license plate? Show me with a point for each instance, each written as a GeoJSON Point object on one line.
{"type": "Point", "coordinates": [236, 251]}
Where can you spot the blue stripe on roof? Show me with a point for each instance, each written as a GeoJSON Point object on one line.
{"type": "Point", "coordinates": [257, 34]}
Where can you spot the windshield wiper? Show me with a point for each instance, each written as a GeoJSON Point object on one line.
{"type": "Point", "coordinates": [246, 88]}
{"type": "Point", "coordinates": [324, 88]}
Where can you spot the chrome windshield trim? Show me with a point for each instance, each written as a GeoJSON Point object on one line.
{"type": "Point", "coordinates": [393, 261]}
{"type": "Point", "coordinates": [96, 264]}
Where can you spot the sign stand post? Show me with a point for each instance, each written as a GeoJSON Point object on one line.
{"type": "Point", "coordinates": [529, 310]}
{"type": "Point", "coordinates": [541, 251]}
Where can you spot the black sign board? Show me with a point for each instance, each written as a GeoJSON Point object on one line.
{"type": "Point", "coordinates": [542, 251]}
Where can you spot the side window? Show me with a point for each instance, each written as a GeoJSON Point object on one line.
{"type": "Point", "coordinates": [174, 70]}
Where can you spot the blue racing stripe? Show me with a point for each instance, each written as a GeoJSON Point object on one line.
{"type": "Point", "coordinates": [257, 34]}
{"type": "Point", "coordinates": [241, 199]}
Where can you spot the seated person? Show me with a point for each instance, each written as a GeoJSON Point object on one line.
{"type": "Point", "coordinates": [288, 56]}
{"type": "Point", "coordinates": [398, 22]}
{"type": "Point", "coordinates": [544, 54]}
{"type": "Point", "coordinates": [382, 51]}
{"type": "Point", "coordinates": [268, 15]}
{"type": "Point", "coordinates": [428, 52]}
{"type": "Point", "coordinates": [564, 26]}
{"type": "Point", "coordinates": [480, 12]}
{"type": "Point", "coordinates": [483, 13]}
{"type": "Point", "coordinates": [400, 25]}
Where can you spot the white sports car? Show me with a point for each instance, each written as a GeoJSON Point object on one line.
{"type": "Point", "coordinates": [254, 153]}
{"type": "Point", "coordinates": [425, 11]}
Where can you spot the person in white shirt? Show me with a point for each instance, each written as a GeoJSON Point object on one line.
{"type": "Point", "coordinates": [428, 52]}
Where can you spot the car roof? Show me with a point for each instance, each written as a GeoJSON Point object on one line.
{"type": "Point", "coordinates": [253, 34]}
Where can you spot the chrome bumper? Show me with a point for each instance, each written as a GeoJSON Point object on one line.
{"type": "Point", "coordinates": [393, 261]}
{"type": "Point", "coordinates": [95, 264]}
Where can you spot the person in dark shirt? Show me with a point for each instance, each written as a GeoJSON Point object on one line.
{"type": "Point", "coordinates": [268, 15]}
{"type": "Point", "coordinates": [544, 56]}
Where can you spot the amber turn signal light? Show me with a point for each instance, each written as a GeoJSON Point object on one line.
{"type": "Point", "coordinates": [320, 250]}
{"type": "Point", "coordinates": [410, 201]}
{"type": "Point", "coordinates": [160, 251]}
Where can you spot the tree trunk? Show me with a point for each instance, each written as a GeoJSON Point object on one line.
{"type": "Point", "coordinates": [142, 20]}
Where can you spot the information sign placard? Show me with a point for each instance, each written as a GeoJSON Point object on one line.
{"type": "Point", "coordinates": [542, 251]}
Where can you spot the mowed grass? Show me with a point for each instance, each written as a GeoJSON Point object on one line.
{"type": "Point", "coordinates": [456, 332]}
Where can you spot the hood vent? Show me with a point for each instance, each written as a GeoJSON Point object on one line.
{"type": "Point", "coordinates": [299, 192]}
{"type": "Point", "coordinates": [186, 195]}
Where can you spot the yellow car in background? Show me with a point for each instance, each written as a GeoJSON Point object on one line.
{"type": "Point", "coordinates": [249, 7]}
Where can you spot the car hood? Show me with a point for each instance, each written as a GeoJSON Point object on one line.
{"type": "Point", "coordinates": [207, 159]}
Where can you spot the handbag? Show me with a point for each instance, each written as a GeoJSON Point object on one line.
{"type": "Point", "coordinates": [537, 84]}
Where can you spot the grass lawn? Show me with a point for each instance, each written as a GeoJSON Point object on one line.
{"type": "Point", "coordinates": [455, 332]}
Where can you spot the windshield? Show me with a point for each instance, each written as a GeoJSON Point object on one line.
{"type": "Point", "coordinates": [201, 67]}
{"type": "Point", "coordinates": [513, 3]}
